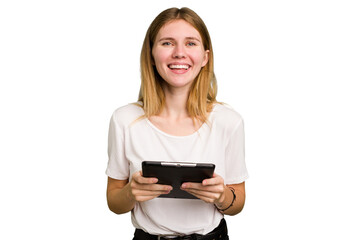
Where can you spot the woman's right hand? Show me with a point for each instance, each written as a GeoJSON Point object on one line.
{"type": "Point", "coordinates": [144, 189]}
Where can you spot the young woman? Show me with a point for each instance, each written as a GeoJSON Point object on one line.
{"type": "Point", "coordinates": [177, 118]}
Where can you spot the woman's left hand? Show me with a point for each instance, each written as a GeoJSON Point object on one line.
{"type": "Point", "coordinates": [211, 190]}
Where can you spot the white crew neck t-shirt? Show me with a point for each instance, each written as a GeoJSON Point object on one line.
{"type": "Point", "coordinates": [133, 140]}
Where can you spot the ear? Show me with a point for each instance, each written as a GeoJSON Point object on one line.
{"type": "Point", "coordinates": [206, 58]}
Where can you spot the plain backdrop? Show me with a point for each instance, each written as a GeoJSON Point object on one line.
{"type": "Point", "coordinates": [290, 68]}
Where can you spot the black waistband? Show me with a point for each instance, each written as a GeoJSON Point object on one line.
{"type": "Point", "coordinates": [219, 233]}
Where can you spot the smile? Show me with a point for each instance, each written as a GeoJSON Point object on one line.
{"type": "Point", "coordinates": [179, 67]}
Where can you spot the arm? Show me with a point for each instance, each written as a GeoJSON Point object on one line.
{"type": "Point", "coordinates": [238, 204]}
{"type": "Point", "coordinates": [118, 196]}
{"type": "Point", "coordinates": [214, 191]}
{"type": "Point", "coordinates": [122, 194]}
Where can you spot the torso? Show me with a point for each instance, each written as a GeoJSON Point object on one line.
{"type": "Point", "coordinates": [134, 141]}
{"type": "Point", "coordinates": [183, 127]}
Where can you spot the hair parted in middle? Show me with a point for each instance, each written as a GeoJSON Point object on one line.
{"type": "Point", "coordinates": [203, 91]}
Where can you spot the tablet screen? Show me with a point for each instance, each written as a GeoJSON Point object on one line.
{"type": "Point", "coordinates": [176, 173]}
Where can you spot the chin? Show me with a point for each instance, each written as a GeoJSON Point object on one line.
{"type": "Point", "coordinates": [178, 84]}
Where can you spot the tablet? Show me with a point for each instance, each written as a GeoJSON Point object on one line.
{"type": "Point", "coordinates": [176, 173]}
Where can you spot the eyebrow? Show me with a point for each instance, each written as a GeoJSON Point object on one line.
{"type": "Point", "coordinates": [172, 39]}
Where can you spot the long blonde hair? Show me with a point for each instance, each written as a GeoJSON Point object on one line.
{"type": "Point", "coordinates": [203, 91]}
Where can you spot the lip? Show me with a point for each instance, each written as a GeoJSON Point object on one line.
{"type": "Point", "coordinates": [180, 70]}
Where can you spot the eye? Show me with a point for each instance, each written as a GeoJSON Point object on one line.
{"type": "Point", "coordinates": [191, 44]}
{"type": "Point", "coordinates": [166, 44]}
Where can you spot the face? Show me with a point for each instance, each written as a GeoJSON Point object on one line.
{"type": "Point", "coordinates": [179, 54]}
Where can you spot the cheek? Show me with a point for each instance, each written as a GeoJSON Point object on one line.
{"type": "Point", "coordinates": [198, 59]}
{"type": "Point", "coordinates": [158, 61]}
{"type": "Point", "coordinates": [159, 56]}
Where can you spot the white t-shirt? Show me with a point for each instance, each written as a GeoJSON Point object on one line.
{"type": "Point", "coordinates": [132, 141]}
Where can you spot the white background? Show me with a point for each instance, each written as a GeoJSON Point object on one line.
{"type": "Point", "coordinates": [291, 68]}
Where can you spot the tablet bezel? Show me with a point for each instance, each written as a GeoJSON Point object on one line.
{"type": "Point", "coordinates": [176, 173]}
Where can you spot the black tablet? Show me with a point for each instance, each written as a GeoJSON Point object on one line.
{"type": "Point", "coordinates": [176, 173]}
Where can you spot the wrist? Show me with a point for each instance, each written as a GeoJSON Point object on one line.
{"type": "Point", "coordinates": [128, 193]}
{"type": "Point", "coordinates": [222, 199]}
{"type": "Point", "coordinates": [227, 204]}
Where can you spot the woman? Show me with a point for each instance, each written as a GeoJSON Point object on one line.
{"type": "Point", "coordinates": [177, 118]}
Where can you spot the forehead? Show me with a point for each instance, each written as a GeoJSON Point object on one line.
{"type": "Point", "coordinates": [178, 29]}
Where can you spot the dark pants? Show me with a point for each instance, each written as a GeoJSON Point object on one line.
{"type": "Point", "coordinates": [219, 233]}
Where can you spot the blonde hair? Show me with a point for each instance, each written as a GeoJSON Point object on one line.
{"type": "Point", "coordinates": [203, 91]}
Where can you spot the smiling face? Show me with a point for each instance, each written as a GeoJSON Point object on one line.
{"type": "Point", "coordinates": [179, 54]}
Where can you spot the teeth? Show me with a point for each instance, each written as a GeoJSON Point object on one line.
{"type": "Point", "coordinates": [179, 66]}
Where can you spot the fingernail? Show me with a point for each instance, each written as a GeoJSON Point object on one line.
{"type": "Point", "coordinates": [184, 185]}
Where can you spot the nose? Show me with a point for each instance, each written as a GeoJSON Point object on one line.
{"type": "Point", "coordinates": [179, 52]}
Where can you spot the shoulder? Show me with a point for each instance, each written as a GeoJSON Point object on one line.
{"type": "Point", "coordinates": [127, 114]}
{"type": "Point", "coordinates": [224, 114]}
{"type": "Point", "coordinates": [224, 120]}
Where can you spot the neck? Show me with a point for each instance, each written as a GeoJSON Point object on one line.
{"type": "Point", "coordinates": [175, 103]}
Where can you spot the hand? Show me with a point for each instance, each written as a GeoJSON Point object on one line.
{"type": "Point", "coordinates": [211, 190]}
{"type": "Point", "coordinates": [143, 189]}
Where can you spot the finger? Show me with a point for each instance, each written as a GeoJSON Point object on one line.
{"type": "Point", "coordinates": [189, 185]}
{"type": "Point", "coordinates": [143, 198]}
{"type": "Point", "coordinates": [198, 186]}
{"type": "Point", "coordinates": [216, 179]}
{"type": "Point", "coordinates": [143, 180]}
{"type": "Point", "coordinates": [205, 194]}
{"type": "Point", "coordinates": [140, 192]}
{"type": "Point", "coordinates": [152, 187]}
{"type": "Point", "coordinates": [203, 197]}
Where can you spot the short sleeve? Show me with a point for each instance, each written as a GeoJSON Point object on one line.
{"type": "Point", "coordinates": [118, 166]}
{"type": "Point", "coordinates": [235, 167]}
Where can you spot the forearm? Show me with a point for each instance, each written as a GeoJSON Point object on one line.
{"type": "Point", "coordinates": [228, 200]}
{"type": "Point", "coordinates": [119, 200]}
